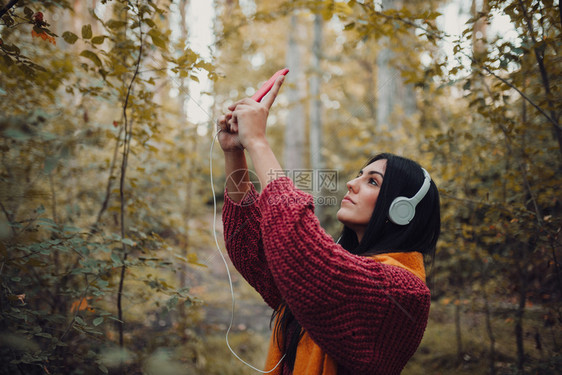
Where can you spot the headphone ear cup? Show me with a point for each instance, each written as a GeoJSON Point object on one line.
{"type": "Point", "coordinates": [401, 211]}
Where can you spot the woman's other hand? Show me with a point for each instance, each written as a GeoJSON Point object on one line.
{"type": "Point", "coordinates": [228, 139]}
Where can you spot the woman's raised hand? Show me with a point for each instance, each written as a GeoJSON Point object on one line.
{"type": "Point", "coordinates": [249, 118]}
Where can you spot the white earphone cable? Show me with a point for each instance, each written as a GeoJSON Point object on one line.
{"type": "Point", "coordinates": [226, 264]}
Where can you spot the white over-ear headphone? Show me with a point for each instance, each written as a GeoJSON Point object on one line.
{"type": "Point", "coordinates": [403, 209]}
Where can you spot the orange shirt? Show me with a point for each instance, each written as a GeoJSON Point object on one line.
{"type": "Point", "coordinates": [311, 359]}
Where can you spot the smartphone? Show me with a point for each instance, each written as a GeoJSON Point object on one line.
{"type": "Point", "coordinates": [258, 96]}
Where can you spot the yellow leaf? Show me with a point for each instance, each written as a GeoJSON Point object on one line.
{"type": "Point", "coordinates": [343, 8]}
{"type": "Point", "coordinates": [192, 259]}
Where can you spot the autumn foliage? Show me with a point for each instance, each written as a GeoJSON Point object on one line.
{"type": "Point", "coordinates": [107, 259]}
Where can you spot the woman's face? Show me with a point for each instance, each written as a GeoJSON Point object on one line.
{"type": "Point", "coordinates": [358, 204]}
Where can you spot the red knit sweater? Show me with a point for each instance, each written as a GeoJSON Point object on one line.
{"type": "Point", "coordinates": [369, 317]}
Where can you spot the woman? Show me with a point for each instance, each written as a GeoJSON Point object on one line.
{"type": "Point", "coordinates": [356, 306]}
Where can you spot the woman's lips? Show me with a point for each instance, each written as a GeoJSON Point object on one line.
{"type": "Point", "coordinates": [346, 198]}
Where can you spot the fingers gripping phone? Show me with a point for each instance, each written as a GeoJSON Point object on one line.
{"type": "Point", "coordinates": [264, 89]}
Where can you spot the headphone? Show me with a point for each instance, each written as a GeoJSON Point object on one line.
{"type": "Point", "coordinates": [403, 209]}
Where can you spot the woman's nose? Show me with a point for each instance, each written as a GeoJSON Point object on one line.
{"type": "Point", "coordinates": [351, 185]}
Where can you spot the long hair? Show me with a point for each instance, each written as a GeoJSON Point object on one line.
{"type": "Point", "coordinates": [403, 177]}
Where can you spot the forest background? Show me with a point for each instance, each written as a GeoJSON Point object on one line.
{"type": "Point", "coordinates": [107, 257]}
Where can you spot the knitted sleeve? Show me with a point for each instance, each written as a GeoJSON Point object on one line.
{"type": "Point", "coordinates": [243, 240]}
{"type": "Point", "coordinates": [368, 316]}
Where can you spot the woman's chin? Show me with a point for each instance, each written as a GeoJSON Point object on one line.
{"type": "Point", "coordinates": [341, 216]}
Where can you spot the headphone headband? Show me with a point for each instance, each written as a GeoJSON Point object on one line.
{"type": "Point", "coordinates": [403, 209]}
{"type": "Point", "coordinates": [423, 190]}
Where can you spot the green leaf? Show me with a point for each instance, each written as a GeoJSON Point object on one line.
{"type": "Point", "coordinates": [45, 221]}
{"type": "Point", "coordinates": [28, 13]}
{"type": "Point", "coordinates": [50, 164]}
{"type": "Point", "coordinates": [114, 318]}
{"type": "Point", "coordinates": [80, 321]}
{"type": "Point", "coordinates": [98, 321]}
{"type": "Point", "coordinates": [86, 31]}
{"type": "Point", "coordinates": [115, 258]}
{"type": "Point", "coordinates": [92, 56]}
{"type": "Point", "coordinates": [69, 228]}
{"type": "Point", "coordinates": [7, 60]}
{"type": "Point", "coordinates": [128, 241]}
{"type": "Point", "coordinates": [114, 24]}
{"type": "Point", "coordinates": [8, 21]}
{"type": "Point", "coordinates": [16, 134]}
{"type": "Point", "coordinates": [172, 302]}
{"type": "Point", "coordinates": [69, 37]}
{"type": "Point", "coordinates": [98, 39]}
{"type": "Point", "coordinates": [157, 38]}
{"type": "Point", "coordinates": [11, 48]}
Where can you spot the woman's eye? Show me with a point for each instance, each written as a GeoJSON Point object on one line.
{"type": "Point", "coordinates": [373, 181]}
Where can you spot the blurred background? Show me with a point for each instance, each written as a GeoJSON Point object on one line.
{"type": "Point", "coordinates": [107, 109]}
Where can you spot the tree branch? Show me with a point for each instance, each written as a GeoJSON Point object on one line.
{"type": "Point", "coordinates": [509, 144]}
{"type": "Point", "coordinates": [9, 217]}
{"type": "Point", "coordinates": [7, 7]}
{"type": "Point", "coordinates": [539, 55]}
{"type": "Point", "coordinates": [82, 297]}
{"type": "Point", "coordinates": [404, 21]}
{"type": "Point", "coordinates": [105, 202]}
{"type": "Point", "coordinates": [126, 148]}
{"type": "Point", "coordinates": [507, 208]}
{"type": "Point", "coordinates": [519, 92]}
{"type": "Point", "coordinates": [560, 12]}
{"type": "Point", "coordinates": [551, 118]}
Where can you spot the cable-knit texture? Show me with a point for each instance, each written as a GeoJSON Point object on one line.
{"type": "Point", "coordinates": [366, 314]}
{"type": "Point", "coordinates": [243, 240]}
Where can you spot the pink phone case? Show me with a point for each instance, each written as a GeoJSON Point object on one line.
{"type": "Point", "coordinates": [258, 96]}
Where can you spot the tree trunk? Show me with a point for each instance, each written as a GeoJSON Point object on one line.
{"type": "Point", "coordinates": [554, 116]}
{"type": "Point", "coordinates": [392, 92]}
{"type": "Point", "coordinates": [295, 127]}
{"type": "Point", "coordinates": [316, 158]}
{"type": "Point", "coordinates": [519, 327]}
{"type": "Point", "coordinates": [489, 330]}
{"type": "Point", "coordinates": [458, 327]}
{"type": "Point", "coordinates": [183, 98]}
{"type": "Point", "coordinates": [479, 45]}
{"type": "Point", "coordinates": [479, 33]}
{"type": "Point", "coordinates": [520, 312]}
{"type": "Point", "coordinates": [386, 90]}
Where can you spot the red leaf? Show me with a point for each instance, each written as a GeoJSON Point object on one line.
{"type": "Point", "coordinates": [43, 35]}
{"type": "Point", "coordinates": [81, 305]}
{"type": "Point", "coordinates": [38, 17]}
